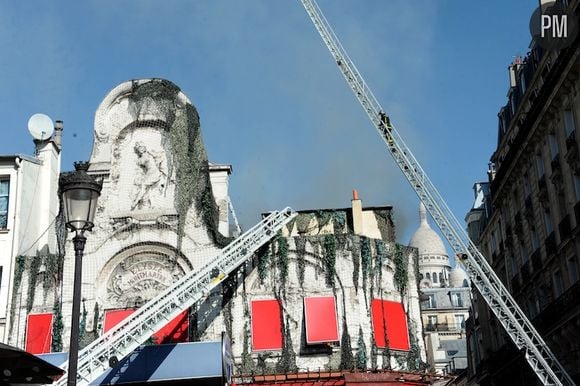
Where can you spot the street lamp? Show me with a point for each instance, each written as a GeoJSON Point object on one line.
{"type": "Point", "coordinates": [79, 193]}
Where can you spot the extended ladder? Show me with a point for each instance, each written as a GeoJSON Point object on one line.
{"type": "Point", "coordinates": [512, 318]}
{"type": "Point", "coordinates": [190, 289]}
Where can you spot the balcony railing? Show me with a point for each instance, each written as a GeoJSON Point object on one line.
{"type": "Point", "coordinates": [445, 327]}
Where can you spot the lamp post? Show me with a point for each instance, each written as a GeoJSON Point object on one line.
{"type": "Point", "coordinates": [79, 193]}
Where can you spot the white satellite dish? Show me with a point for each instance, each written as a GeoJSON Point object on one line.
{"type": "Point", "coordinates": [40, 126]}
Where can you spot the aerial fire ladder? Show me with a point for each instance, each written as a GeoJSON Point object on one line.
{"type": "Point", "coordinates": [132, 332]}
{"type": "Point", "coordinates": [507, 311]}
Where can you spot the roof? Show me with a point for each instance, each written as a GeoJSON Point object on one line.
{"type": "Point", "coordinates": [426, 240]}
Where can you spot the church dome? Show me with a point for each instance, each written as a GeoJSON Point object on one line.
{"type": "Point", "coordinates": [458, 278]}
{"type": "Point", "coordinates": [425, 239]}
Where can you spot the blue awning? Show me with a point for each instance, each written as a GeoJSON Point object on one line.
{"type": "Point", "coordinates": [196, 363]}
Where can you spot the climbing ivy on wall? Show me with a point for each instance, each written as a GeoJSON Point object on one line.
{"type": "Point", "coordinates": [303, 222]}
{"type": "Point", "coordinates": [247, 363]}
{"type": "Point", "coordinates": [365, 253]}
{"type": "Point", "coordinates": [346, 357]}
{"type": "Point", "coordinates": [339, 221]}
{"type": "Point", "coordinates": [263, 255]}
{"type": "Point", "coordinates": [96, 320]}
{"type": "Point", "coordinates": [287, 361]}
{"type": "Point", "coordinates": [35, 262]}
{"type": "Point", "coordinates": [323, 217]}
{"type": "Point", "coordinates": [57, 327]}
{"type": "Point", "coordinates": [356, 258]}
{"type": "Point", "coordinates": [193, 187]}
{"type": "Point", "coordinates": [300, 243]}
{"type": "Point", "coordinates": [385, 224]}
{"type": "Point", "coordinates": [18, 272]}
{"type": "Point", "coordinates": [330, 258]}
{"type": "Point", "coordinates": [361, 354]}
{"type": "Point", "coordinates": [282, 258]}
{"type": "Point", "coordinates": [401, 275]}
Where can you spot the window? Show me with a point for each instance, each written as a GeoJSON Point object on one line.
{"type": "Point", "coordinates": [548, 222]}
{"type": "Point", "coordinates": [390, 325]}
{"type": "Point", "coordinates": [460, 322]}
{"type": "Point", "coordinates": [430, 303]}
{"type": "Point", "coordinates": [535, 239]}
{"type": "Point", "coordinates": [38, 333]}
{"type": "Point", "coordinates": [522, 81]}
{"type": "Point", "coordinates": [432, 320]}
{"type": "Point", "coordinates": [456, 299]}
{"type": "Point", "coordinates": [420, 276]}
{"type": "Point", "coordinates": [553, 142]}
{"type": "Point", "coordinates": [577, 186]}
{"type": "Point", "coordinates": [558, 283]}
{"type": "Point", "coordinates": [4, 191]}
{"type": "Point", "coordinates": [572, 270]}
{"type": "Point", "coordinates": [434, 277]}
{"type": "Point", "coordinates": [540, 165]}
{"type": "Point", "coordinates": [320, 319]}
{"type": "Point", "coordinates": [266, 325]}
{"type": "Point", "coordinates": [441, 279]}
{"type": "Point", "coordinates": [569, 124]}
{"type": "Point", "coordinates": [428, 276]}
{"type": "Point", "coordinates": [526, 180]}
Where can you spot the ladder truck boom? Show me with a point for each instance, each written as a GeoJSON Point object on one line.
{"type": "Point", "coordinates": [126, 336]}
{"type": "Point", "coordinates": [512, 318]}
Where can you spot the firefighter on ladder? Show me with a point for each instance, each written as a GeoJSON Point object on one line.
{"type": "Point", "coordinates": [386, 127]}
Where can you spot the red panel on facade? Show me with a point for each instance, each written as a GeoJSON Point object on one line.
{"type": "Point", "coordinates": [390, 323]}
{"type": "Point", "coordinates": [173, 332]}
{"type": "Point", "coordinates": [320, 318]}
{"type": "Point", "coordinates": [113, 317]}
{"type": "Point", "coordinates": [266, 325]}
{"type": "Point", "coordinates": [38, 333]}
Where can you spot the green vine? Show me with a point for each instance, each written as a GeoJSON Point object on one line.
{"type": "Point", "coordinates": [356, 258]}
{"type": "Point", "coordinates": [263, 261]}
{"type": "Point", "coordinates": [287, 361]}
{"type": "Point", "coordinates": [339, 221]}
{"type": "Point", "coordinates": [374, 353]}
{"type": "Point", "coordinates": [303, 221]}
{"type": "Point", "coordinates": [346, 357]}
{"type": "Point", "coordinates": [193, 187]}
{"type": "Point", "coordinates": [413, 356]}
{"type": "Point", "coordinates": [247, 365]}
{"type": "Point", "coordinates": [96, 320]}
{"type": "Point", "coordinates": [290, 226]}
{"type": "Point", "coordinates": [323, 217]}
{"type": "Point", "coordinates": [385, 224]}
{"type": "Point", "coordinates": [366, 260]}
{"type": "Point", "coordinates": [361, 354]}
{"type": "Point", "coordinates": [282, 259]}
{"type": "Point", "coordinates": [18, 272]}
{"type": "Point", "coordinates": [35, 262]}
{"type": "Point", "coordinates": [401, 276]}
{"type": "Point", "coordinates": [330, 259]}
{"type": "Point", "coordinates": [301, 258]}
{"type": "Point", "coordinates": [57, 327]}
{"type": "Point", "coordinates": [52, 263]}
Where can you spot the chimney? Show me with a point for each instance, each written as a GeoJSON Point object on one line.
{"type": "Point", "coordinates": [57, 137]}
{"type": "Point", "coordinates": [357, 217]}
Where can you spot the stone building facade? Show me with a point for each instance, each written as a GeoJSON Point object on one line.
{"type": "Point", "coordinates": [528, 220]}
{"type": "Point", "coordinates": [28, 207]}
{"type": "Point", "coordinates": [163, 212]}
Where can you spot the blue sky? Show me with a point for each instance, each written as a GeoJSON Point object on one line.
{"type": "Point", "coordinates": [271, 100]}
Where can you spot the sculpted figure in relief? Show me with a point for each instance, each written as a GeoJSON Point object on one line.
{"type": "Point", "coordinates": [152, 175]}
